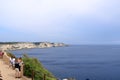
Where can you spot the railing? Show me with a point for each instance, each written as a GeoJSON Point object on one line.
{"type": "Point", "coordinates": [37, 72]}
{"type": "Point", "coordinates": [6, 58]}
{"type": "Point", "coordinates": [45, 76]}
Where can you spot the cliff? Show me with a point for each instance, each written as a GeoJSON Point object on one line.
{"type": "Point", "coordinates": [28, 45]}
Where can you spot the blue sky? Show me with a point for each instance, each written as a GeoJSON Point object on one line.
{"type": "Point", "coordinates": [68, 21]}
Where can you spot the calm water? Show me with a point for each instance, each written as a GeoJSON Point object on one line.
{"type": "Point", "coordinates": [80, 62]}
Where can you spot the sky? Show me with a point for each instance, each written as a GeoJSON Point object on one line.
{"type": "Point", "coordinates": [67, 21]}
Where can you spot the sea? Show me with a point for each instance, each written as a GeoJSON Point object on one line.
{"type": "Point", "coordinates": [82, 62]}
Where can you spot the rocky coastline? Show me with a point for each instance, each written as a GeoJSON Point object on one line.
{"type": "Point", "coordinates": [27, 45]}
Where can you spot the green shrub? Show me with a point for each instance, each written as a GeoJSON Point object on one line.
{"type": "Point", "coordinates": [11, 55]}
{"type": "Point", "coordinates": [32, 65]}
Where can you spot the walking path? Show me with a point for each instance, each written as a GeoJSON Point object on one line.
{"type": "Point", "coordinates": [7, 73]}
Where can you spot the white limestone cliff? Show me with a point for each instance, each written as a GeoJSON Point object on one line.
{"type": "Point", "coordinates": [27, 45]}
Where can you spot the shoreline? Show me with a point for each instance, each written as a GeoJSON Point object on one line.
{"type": "Point", "coordinates": [5, 47]}
{"type": "Point", "coordinates": [5, 60]}
{"type": "Point", "coordinates": [28, 45]}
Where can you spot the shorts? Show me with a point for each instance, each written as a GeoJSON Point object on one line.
{"type": "Point", "coordinates": [17, 69]}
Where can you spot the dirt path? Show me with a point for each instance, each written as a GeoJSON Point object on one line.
{"type": "Point", "coordinates": [6, 72]}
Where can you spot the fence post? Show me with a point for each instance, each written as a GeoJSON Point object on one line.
{"type": "Point", "coordinates": [33, 73]}
{"type": "Point", "coordinates": [44, 78]}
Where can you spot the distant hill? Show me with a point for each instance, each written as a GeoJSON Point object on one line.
{"type": "Point", "coordinates": [27, 45]}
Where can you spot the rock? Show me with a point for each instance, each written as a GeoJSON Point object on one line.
{"type": "Point", "coordinates": [27, 45]}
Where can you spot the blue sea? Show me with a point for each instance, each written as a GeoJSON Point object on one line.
{"type": "Point", "coordinates": [95, 62]}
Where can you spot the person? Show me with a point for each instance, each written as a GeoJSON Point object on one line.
{"type": "Point", "coordinates": [0, 74]}
{"type": "Point", "coordinates": [12, 62]}
{"type": "Point", "coordinates": [1, 54]}
{"type": "Point", "coordinates": [18, 64]}
{"type": "Point", "coordinates": [17, 71]}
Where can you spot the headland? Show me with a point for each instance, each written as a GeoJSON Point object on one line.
{"type": "Point", "coordinates": [28, 45]}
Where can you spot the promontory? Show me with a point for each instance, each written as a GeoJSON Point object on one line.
{"type": "Point", "coordinates": [28, 45]}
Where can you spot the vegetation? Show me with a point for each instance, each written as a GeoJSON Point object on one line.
{"type": "Point", "coordinates": [9, 42]}
{"type": "Point", "coordinates": [32, 67]}
{"type": "Point", "coordinates": [11, 55]}
{"type": "Point", "coordinates": [18, 42]}
{"type": "Point", "coordinates": [37, 43]}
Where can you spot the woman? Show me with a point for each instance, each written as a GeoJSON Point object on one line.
{"type": "Point", "coordinates": [18, 64]}
{"type": "Point", "coordinates": [17, 68]}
